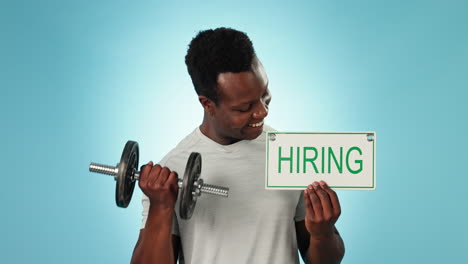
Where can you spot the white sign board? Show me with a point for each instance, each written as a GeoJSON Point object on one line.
{"type": "Point", "coordinates": [345, 160]}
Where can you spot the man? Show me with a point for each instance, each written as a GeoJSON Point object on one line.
{"type": "Point", "coordinates": [253, 225]}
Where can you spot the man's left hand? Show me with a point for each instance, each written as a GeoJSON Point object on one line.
{"type": "Point", "coordinates": [322, 210]}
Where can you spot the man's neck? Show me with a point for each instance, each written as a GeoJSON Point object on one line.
{"type": "Point", "coordinates": [209, 131]}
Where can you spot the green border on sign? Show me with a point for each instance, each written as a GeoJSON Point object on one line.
{"type": "Point", "coordinates": [320, 133]}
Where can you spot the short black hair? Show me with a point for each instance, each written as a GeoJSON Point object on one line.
{"type": "Point", "coordinates": [217, 51]}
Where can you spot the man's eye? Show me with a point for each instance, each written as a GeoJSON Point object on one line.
{"type": "Point", "coordinates": [244, 110]}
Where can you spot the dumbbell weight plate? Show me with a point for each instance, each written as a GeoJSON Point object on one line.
{"type": "Point", "coordinates": [125, 185]}
{"type": "Point", "coordinates": [192, 173]}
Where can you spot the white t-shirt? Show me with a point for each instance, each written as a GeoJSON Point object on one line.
{"type": "Point", "coordinates": [252, 225]}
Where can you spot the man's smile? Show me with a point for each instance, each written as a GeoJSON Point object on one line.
{"type": "Point", "coordinates": [259, 124]}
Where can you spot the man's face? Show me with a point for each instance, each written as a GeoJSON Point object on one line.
{"type": "Point", "coordinates": [243, 104]}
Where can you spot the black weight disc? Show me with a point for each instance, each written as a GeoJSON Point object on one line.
{"type": "Point", "coordinates": [192, 173]}
{"type": "Point", "coordinates": [125, 185]}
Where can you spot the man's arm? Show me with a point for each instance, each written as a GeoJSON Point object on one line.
{"type": "Point", "coordinates": [317, 237]}
{"type": "Point", "coordinates": [313, 250]}
{"type": "Point", "coordinates": [176, 246]}
{"type": "Point", "coordinates": [155, 243]}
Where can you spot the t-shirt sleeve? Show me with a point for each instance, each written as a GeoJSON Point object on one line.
{"type": "Point", "coordinates": [145, 202]}
{"type": "Point", "coordinates": [300, 208]}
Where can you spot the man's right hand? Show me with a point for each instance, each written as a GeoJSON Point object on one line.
{"type": "Point", "coordinates": [160, 185]}
{"type": "Point", "coordinates": [155, 243]}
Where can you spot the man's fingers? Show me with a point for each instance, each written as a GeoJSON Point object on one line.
{"type": "Point", "coordinates": [316, 204]}
{"type": "Point", "coordinates": [154, 175]}
{"type": "Point", "coordinates": [308, 205]}
{"type": "Point", "coordinates": [324, 200]}
{"type": "Point", "coordinates": [333, 198]}
{"type": "Point", "coordinates": [172, 181]}
{"type": "Point", "coordinates": [163, 175]}
{"type": "Point", "coordinates": [144, 171]}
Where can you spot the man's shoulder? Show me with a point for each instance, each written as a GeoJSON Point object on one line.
{"type": "Point", "coordinates": [187, 143]}
{"type": "Point", "coordinates": [267, 128]}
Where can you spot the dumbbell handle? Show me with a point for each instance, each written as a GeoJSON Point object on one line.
{"type": "Point", "coordinates": [112, 171]}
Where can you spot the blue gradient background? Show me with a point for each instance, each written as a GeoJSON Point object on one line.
{"type": "Point", "coordinates": [80, 78]}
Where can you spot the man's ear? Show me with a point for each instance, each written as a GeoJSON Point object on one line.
{"type": "Point", "coordinates": [207, 104]}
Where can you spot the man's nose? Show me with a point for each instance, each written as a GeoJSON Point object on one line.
{"type": "Point", "coordinates": [261, 112]}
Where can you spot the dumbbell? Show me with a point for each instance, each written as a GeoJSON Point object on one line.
{"type": "Point", "coordinates": [126, 174]}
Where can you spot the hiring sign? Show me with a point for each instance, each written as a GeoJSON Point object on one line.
{"type": "Point", "coordinates": [345, 160]}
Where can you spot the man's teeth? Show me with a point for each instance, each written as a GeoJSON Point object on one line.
{"type": "Point", "coordinates": [256, 125]}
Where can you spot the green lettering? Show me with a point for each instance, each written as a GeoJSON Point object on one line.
{"type": "Point", "coordinates": [330, 155]}
{"type": "Point", "coordinates": [356, 161]}
{"type": "Point", "coordinates": [290, 159]}
{"type": "Point", "coordinates": [298, 155]}
{"type": "Point", "coordinates": [311, 160]}
{"type": "Point", "coordinates": [323, 159]}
